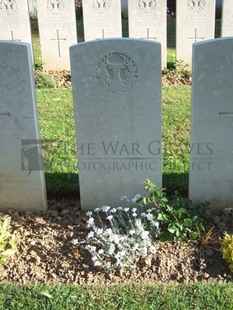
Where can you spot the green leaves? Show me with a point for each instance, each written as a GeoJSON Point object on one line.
{"type": "Point", "coordinates": [162, 217]}
{"type": "Point", "coordinates": [8, 242]}
{"type": "Point", "coordinates": [149, 186]}
{"type": "Point", "coordinates": [180, 218]}
{"type": "Point", "coordinates": [227, 249]}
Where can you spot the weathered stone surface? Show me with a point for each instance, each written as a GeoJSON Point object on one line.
{"type": "Point", "coordinates": [102, 19]}
{"type": "Point", "coordinates": [227, 19]}
{"type": "Point", "coordinates": [211, 170]}
{"type": "Point", "coordinates": [14, 21]}
{"type": "Point", "coordinates": [57, 27]}
{"type": "Point", "coordinates": [22, 184]}
{"type": "Point", "coordinates": [195, 21]}
{"type": "Point", "coordinates": [148, 20]}
{"type": "Point", "coordinates": [117, 98]}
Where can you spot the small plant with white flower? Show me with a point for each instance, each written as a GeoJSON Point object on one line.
{"type": "Point", "coordinates": [119, 237]}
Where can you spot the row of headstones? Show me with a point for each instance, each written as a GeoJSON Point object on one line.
{"type": "Point", "coordinates": [117, 101]}
{"type": "Point", "coordinates": [102, 19]}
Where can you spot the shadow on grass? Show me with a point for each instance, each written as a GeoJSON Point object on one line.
{"type": "Point", "coordinates": [176, 182]}
{"type": "Point", "coordinates": [62, 185]}
{"type": "Point", "coordinates": [171, 32]}
{"type": "Point", "coordinates": [66, 185]}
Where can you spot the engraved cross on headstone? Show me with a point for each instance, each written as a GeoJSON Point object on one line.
{"type": "Point", "coordinates": [225, 113]}
{"type": "Point", "coordinates": [58, 39]}
{"type": "Point", "coordinates": [148, 35]}
{"type": "Point", "coordinates": [12, 36]}
{"type": "Point", "coordinates": [195, 38]}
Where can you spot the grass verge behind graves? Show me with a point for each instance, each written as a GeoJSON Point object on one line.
{"type": "Point", "coordinates": [57, 127]}
{"type": "Point", "coordinates": [199, 296]}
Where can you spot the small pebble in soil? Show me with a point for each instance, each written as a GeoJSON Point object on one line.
{"type": "Point", "coordinates": [209, 252]}
{"type": "Point", "coordinates": [216, 219]}
{"type": "Point", "coordinates": [64, 212]}
{"type": "Point", "coordinates": [221, 225]}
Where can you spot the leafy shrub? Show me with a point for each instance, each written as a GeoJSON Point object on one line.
{"type": "Point", "coordinates": [118, 237]}
{"type": "Point", "coordinates": [180, 218]}
{"type": "Point", "coordinates": [8, 241]}
{"type": "Point", "coordinates": [43, 80]}
{"type": "Point", "coordinates": [227, 250]}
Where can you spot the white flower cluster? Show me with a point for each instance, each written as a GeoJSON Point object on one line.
{"type": "Point", "coordinates": [118, 237]}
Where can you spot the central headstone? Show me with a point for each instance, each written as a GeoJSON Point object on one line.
{"type": "Point", "coordinates": [195, 21]}
{"type": "Point", "coordinates": [117, 98]}
{"type": "Point", "coordinates": [148, 20]}
{"type": "Point", "coordinates": [227, 19]}
{"type": "Point", "coordinates": [57, 27]}
{"type": "Point", "coordinates": [14, 21]}
{"type": "Point", "coordinates": [102, 19]}
{"type": "Point", "coordinates": [22, 184]}
{"type": "Point", "coordinates": [211, 170]}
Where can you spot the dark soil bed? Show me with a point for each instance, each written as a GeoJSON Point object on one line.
{"type": "Point", "coordinates": [46, 254]}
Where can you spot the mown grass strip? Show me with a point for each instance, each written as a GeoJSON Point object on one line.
{"type": "Point", "coordinates": [175, 297]}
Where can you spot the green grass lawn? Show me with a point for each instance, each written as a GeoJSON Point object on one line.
{"type": "Point", "coordinates": [144, 297]}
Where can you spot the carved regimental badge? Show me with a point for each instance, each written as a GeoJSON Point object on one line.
{"type": "Point", "coordinates": [55, 6]}
{"type": "Point", "coordinates": [147, 6]}
{"type": "Point", "coordinates": [196, 5]}
{"type": "Point", "coordinates": [116, 73]}
{"type": "Point", "coordinates": [8, 6]}
{"type": "Point", "coordinates": [101, 6]}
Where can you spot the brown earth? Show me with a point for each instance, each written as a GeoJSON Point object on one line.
{"type": "Point", "coordinates": [63, 78]}
{"type": "Point", "coordinates": [46, 255]}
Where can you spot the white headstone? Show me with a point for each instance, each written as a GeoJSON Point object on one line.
{"type": "Point", "coordinates": [148, 20]}
{"type": "Point", "coordinates": [57, 28]}
{"type": "Point", "coordinates": [227, 19]}
{"type": "Point", "coordinates": [22, 184]}
{"type": "Point", "coordinates": [117, 98]}
{"type": "Point", "coordinates": [14, 21]}
{"type": "Point", "coordinates": [195, 21]}
{"type": "Point", "coordinates": [211, 170]}
{"type": "Point", "coordinates": [102, 19]}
